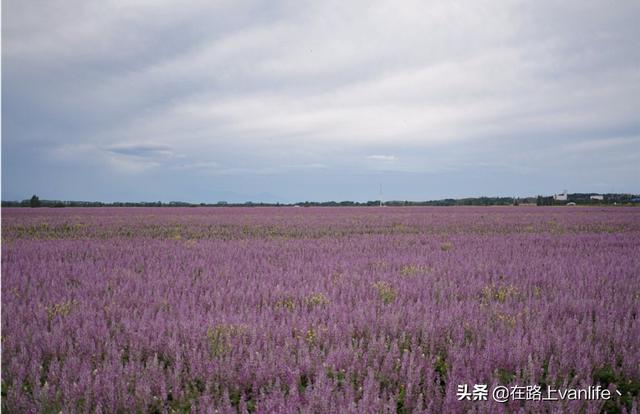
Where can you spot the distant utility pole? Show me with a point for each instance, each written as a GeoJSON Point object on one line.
{"type": "Point", "coordinates": [380, 194]}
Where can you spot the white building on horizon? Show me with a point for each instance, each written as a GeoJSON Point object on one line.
{"type": "Point", "coordinates": [561, 197]}
{"type": "Point", "coordinates": [597, 197]}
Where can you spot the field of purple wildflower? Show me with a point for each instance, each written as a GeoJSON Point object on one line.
{"type": "Point", "coordinates": [318, 310]}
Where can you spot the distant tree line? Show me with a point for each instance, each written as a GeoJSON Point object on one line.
{"type": "Point", "coordinates": [577, 198]}
{"type": "Point", "coordinates": [35, 201]}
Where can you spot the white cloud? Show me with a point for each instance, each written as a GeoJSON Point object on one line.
{"type": "Point", "coordinates": [384, 158]}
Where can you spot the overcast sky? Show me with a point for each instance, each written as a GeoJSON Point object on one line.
{"type": "Point", "coordinates": [320, 100]}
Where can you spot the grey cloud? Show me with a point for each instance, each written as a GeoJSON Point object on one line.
{"type": "Point", "coordinates": [248, 89]}
{"type": "Point", "coordinates": [142, 150]}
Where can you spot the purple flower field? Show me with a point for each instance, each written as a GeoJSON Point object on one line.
{"type": "Point", "coordinates": [318, 310]}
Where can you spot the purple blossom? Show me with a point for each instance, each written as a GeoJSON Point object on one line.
{"type": "Point", "coordinates": [317, 309]}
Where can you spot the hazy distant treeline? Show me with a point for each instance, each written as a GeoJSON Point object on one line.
{"type": "Point", "coordinates": [577, 198]}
